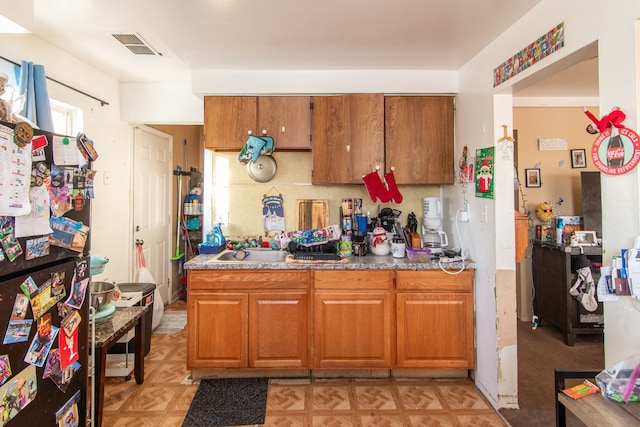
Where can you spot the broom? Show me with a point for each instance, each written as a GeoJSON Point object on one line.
{"type": "Point", "coordinates": [178, 255]}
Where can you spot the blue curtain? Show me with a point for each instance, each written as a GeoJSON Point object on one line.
{"type": "Point", "coordinates": [37, 108]}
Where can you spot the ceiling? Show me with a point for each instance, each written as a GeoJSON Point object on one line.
{"type": "Point", "coordinates": [274, 34]}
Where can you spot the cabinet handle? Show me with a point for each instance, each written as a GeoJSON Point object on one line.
{"type": "Point", "coordinates": [348, 148]}
{"type": "Point", "coordinates": [282, 129]}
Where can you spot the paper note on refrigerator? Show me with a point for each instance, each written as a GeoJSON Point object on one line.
{"type": "Point", "coordinates": [66, 153]}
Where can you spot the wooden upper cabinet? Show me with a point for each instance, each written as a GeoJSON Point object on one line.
{"type": "Point", "coordinates": [287, 119]}
{"type": "Point", "coordinates": [228, 120]}
{"type": "Point", "coordinates": [348, 137]}
{"type": "Point", "coordinates": [419, 138]}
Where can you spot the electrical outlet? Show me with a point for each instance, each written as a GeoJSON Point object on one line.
{"type": "Point", "coordinates": [464, 216]}
{"type": "Point", "coordinates": [484, 214]}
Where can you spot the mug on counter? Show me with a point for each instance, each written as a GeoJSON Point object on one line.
{"type": "Point", "coordinates": [398, 249]}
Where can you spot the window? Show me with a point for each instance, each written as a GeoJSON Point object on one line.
{"type": "Point", "coordinates": [67, 120]}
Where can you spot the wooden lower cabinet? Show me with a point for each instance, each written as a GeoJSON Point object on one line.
{"type": "Point", "coordinates": [247, 320]}
{"type": "Point", "coordinates": [353, 319]}
{"type": "Point", "coordinates": [435, 320]}
{"type": "Point", "coordinates": [217, 330]}
{"type": "Point", "coordinates": [278, 332]}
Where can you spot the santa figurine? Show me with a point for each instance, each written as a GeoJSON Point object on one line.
{"type": "Point", "coordinates": [484, 177]}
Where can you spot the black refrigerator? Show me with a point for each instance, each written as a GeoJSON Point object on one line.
{"type": "Point", "coordinates": [44, 289]}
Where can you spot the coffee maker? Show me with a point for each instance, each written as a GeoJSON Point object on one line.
{"type": "Point", "coordinates": [433, 237]}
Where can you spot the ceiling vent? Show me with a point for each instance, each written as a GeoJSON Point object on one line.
{"type": "Point", "coordinates": [136, 44]}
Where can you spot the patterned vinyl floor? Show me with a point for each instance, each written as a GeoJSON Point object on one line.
{"type": "Point", "coordinates": [165, 396]}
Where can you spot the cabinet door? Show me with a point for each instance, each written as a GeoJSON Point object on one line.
{"type": "Point", "coordinates": [287, 119]}
{"type": "Point", "coordinates": [217, 330]}
{"type": "Point", "coordinates": [435, 330]}
{"type": "Point", "coordinates": [228, 119]}
{"type": "Point", "coordinates": [278, 330]}
{"type": "Point", "coordinates": [419, 138]}
{"type": "Point", "coordinates": [348, 137]}
{"type": "Point", "coordinates": [352, 330]}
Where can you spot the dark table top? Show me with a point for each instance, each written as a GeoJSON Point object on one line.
{"type": "Point", "coordinates": [111, 328]}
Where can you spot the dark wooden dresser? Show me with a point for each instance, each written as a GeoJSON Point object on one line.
{"type": "Point", "coordinates": [553, 276]}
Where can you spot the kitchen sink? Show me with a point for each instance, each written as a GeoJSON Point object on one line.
{"type": "Point", "coordinates": [251, 256]}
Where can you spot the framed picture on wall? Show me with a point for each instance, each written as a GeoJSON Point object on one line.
{"type": "Point", "coordinates": [578, 158]}
{"type": "Point", "coordinates": [532, 177]}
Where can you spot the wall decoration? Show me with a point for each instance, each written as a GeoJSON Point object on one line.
{"type": "Point", "coordinates": [616, 151]}
{"type": "Point", "coordinates": [550, 42]}
{"type": "Point", "coordinates": [579, 158]}
{"type": "Point", "coordinates": [484, 172]}
{"type": "Point", "coordinates": [548, 144]}
{"type": "Point", "coordinates": [273, 213]}
{"type": "Point", "coordinates": [465, 167]}
{"type": "Point", "coordinates": [532, 177]}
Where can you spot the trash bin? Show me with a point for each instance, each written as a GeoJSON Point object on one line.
{"type": "Point", "coordinates": [147, 290]}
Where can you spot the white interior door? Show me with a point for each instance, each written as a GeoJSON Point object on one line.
{"type": "Point", "coordinates": [152, 176]}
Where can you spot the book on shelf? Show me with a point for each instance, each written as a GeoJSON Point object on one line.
{"type": "Point", "coordinates": [580, 390]}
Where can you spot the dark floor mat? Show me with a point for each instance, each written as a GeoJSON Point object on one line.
{"type": "Point", "coordinates": [228, 402]}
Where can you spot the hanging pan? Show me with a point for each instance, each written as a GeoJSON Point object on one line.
{"type": "Point", "coordinates": [263, 169]}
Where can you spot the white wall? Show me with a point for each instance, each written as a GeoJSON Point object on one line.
{"type": "Point", "coordinates": [477, 122]}
{"type": "Point", "coordinates": [110, 231]}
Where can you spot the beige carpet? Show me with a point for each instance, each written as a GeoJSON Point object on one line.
{"type": "Point", "coordinates": [540, 351]}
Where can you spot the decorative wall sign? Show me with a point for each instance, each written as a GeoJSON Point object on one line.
{"type": "Point", "coordinates": [273, 213]}
{"type": "Point", "coordinates": [616, 151]}
{"type": "Point", "coordinates": [484, 172]}
{"type": "Point", "coordinates": [536, 51]}
{"type": "Point", "coordinates": [548, 144]}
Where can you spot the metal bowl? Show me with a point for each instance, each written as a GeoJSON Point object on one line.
{"type": "Point", "coordinates": [101, 294]}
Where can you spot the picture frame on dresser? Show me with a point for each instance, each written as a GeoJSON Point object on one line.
{"type": "Point", "coordinates": [586, 238]}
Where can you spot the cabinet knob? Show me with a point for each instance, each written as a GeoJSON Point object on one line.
{"type": "Point", "coordinates": [249, 132]}
{"type": "Point", "coordinates": [282, 129]}
{"type": "Point", "coordinates": [264, 131]}
{"type": "Point", "coordinates": [348, 148]}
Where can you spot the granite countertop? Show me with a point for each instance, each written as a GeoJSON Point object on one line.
{"type": "Point", "coordinates": [123, 319]}
{"type": "Point", "coordinates": [368, 262]}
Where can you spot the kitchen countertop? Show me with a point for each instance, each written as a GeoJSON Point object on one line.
{"type": "Point", "coordinates": [123, 319]}
{"type": "Point", "coordinates": [368, 262]}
